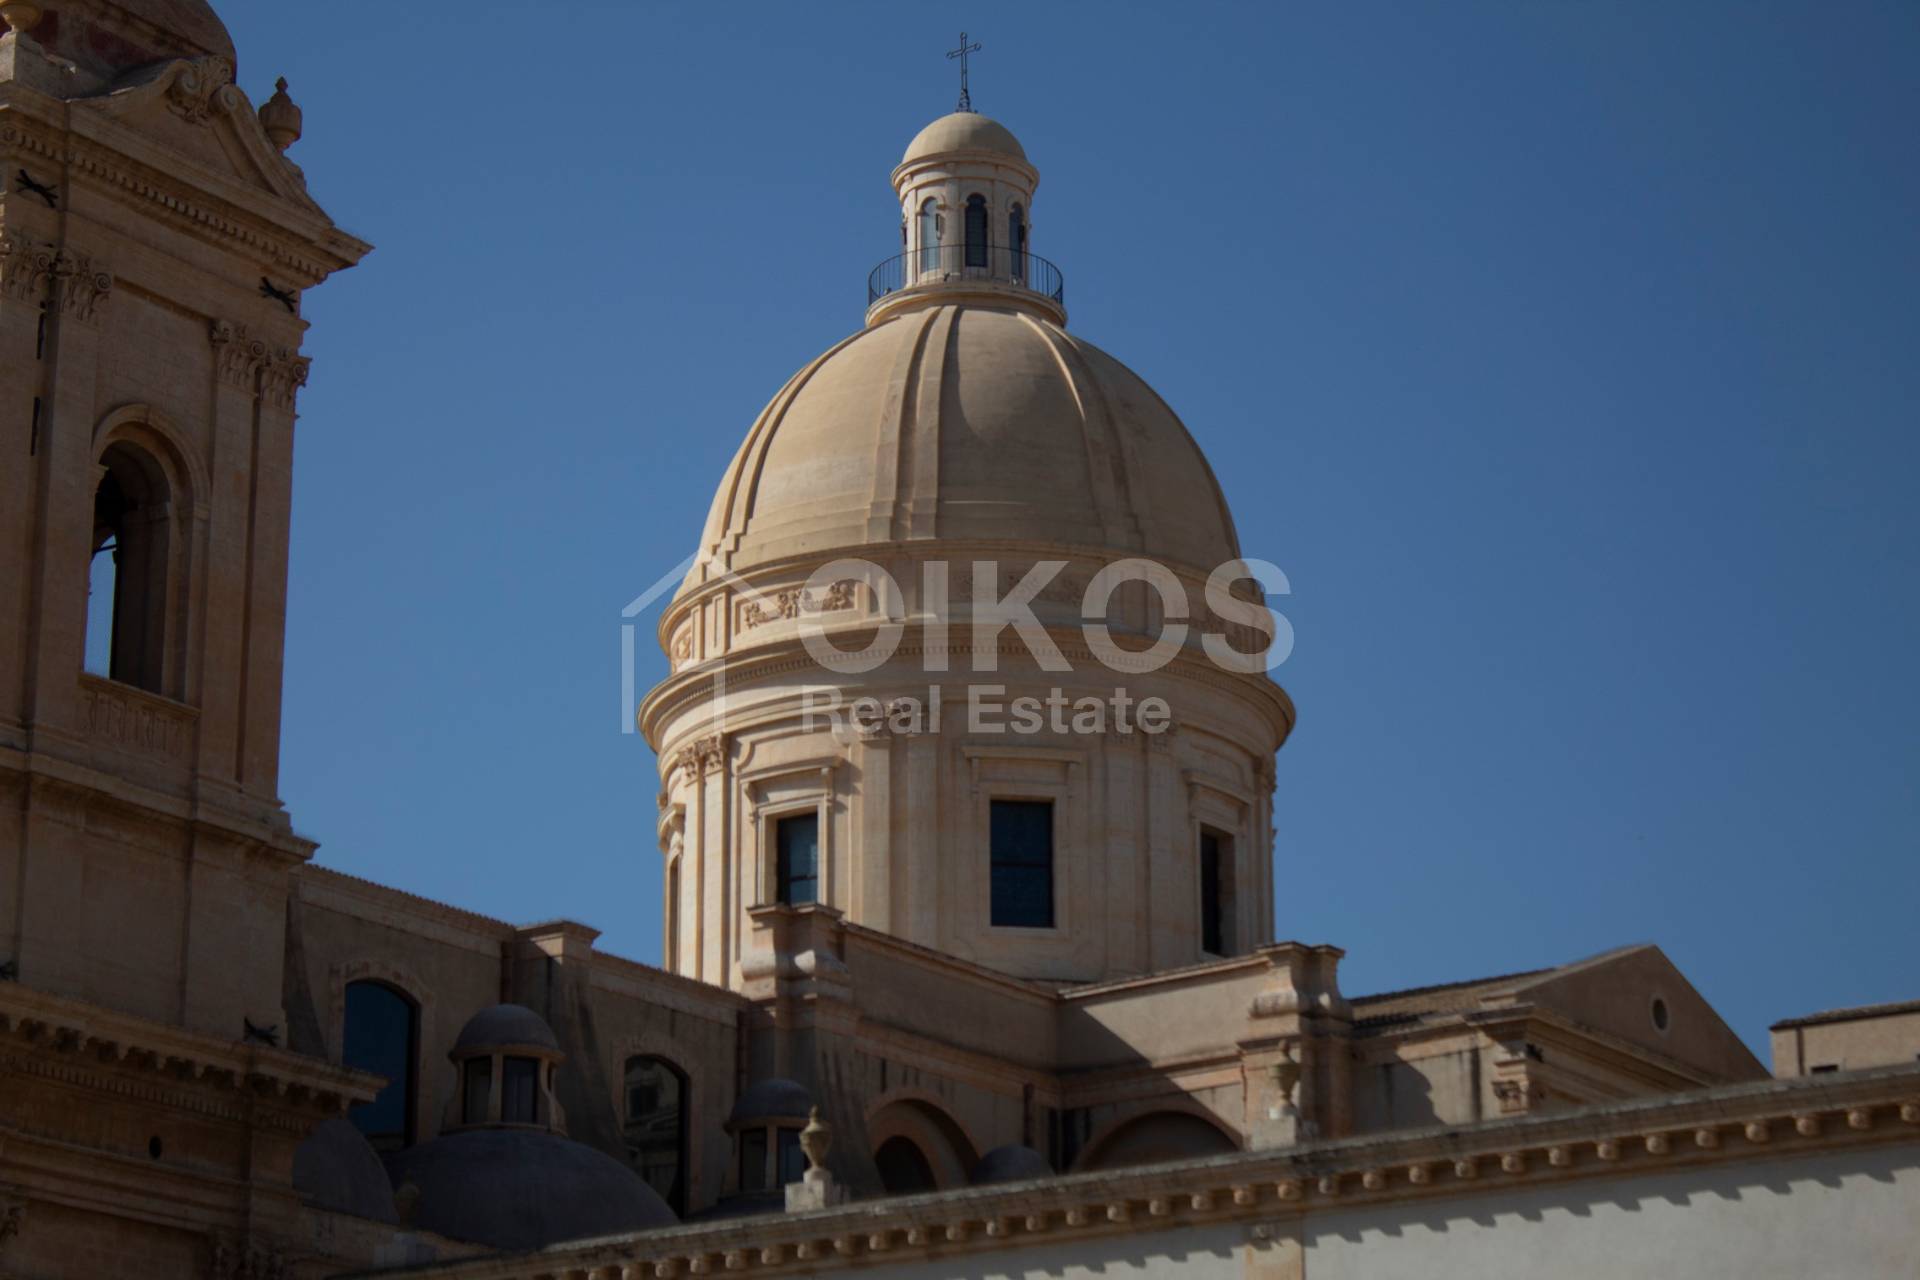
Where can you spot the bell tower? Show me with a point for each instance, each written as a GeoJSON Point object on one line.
{"type": "Point", "coordinates": [155, 243]}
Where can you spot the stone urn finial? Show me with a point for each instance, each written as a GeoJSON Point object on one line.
{"type": "Point", "coordinates": [814, 1140]}
{"type": "Point", "coordinates": [19, 15]}
{"type": "Point", "coordinates": [279, 116]}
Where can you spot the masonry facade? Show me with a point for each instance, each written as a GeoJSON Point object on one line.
{"type": "Point", "coordinates": [1030, 982]}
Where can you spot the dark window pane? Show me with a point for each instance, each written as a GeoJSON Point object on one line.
{"type": "Point", "coordinates": [1211, 932]}
{"type": "Point", "coordinates": [520, 1091]}
{"type": "Point", "coordinates": [798, 858]}
{"type": "Point", "coordinates": [976, 231]}
{"type": "Point", "coordinates": [382, 1029]}
{"type": "Point", "coordinates": [656, 1127]}
{"type": "Point", "coordinates": [1021, 836]}
{"type": "Point", "coordinates": [903, 1167]}
{"type": "Point", "coordinates": [793, 1161]}
{"type": "Point", "coordinates": [753, 1160]}
{"type": "Point", "coordinates": [475, 1091]}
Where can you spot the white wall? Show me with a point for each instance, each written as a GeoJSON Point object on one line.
{"type": "Point", "coordinates": [1854, 1216]}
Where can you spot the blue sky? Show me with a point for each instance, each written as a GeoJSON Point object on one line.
{"type": "Point", "coordinates": [1563, 355]}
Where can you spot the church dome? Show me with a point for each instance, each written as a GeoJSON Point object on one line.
{"type": "Point", "coordinates": [1011, 1163]}
{"type": "Point", "coordinates": [771, 1099]}
{"type": "Point", "coordinates": [964, 132]}
{"type": "Point", "coordinates": [107, 37]}
{"type": "Point", "coordinates": [523, 1189]}
{"type": "Point", "coordinates": [960, 421]}
{"type": "Point", "coordinates": [509, 1026]}
{"type": "Point", "coordinates": [336, 1169]}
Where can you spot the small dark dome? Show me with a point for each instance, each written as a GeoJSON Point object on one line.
{"type": "Point", "coordinates": [336, 1169]}
{"type": "Point", "coordinates": [511, 1026]}
{"type": "Point", "coordinates": [774, 1099]}
{"type": "Point", "coordinates": [522, 1189]}
{"type": "Point", "coordinates": [1011, 1163]}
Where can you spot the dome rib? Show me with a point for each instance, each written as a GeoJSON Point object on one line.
{"type": "Point", "coordinates": [923, 434]}
{"type": "Point", "coordinates": [893, 430]}
{"type": "Point", "coordinates": [722, 528]}
{"type": "Point", "coordinates": [1107, 470]}
{"type": "Point", "coordinates": [1221, 508]}
{"type": "Point", "coordinates": [966, 422]}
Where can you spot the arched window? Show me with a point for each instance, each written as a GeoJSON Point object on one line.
{"type": "Point", "coordinates": [976, 230]}
{"type": "Point", "coordinates": [1017, 241]}
{"type": "Point", "coordinates": [383, 1036]}
{"type": "Point", "coordinates": [903, 1167]}
{"type": "Point", "coordinates": [656, 1126]}
{"type": "Point", "coordinates": [127, 579]}
{"type": "Point", "coordinates": [930, 228]}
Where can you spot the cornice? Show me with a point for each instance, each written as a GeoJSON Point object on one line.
{"type": "Point", "coordinates": [1708, 1128]}
{"type": "Point", "coordinates": [54, 776]}
{"type": "Point", "coordinates": [953, 965]}
{"type": "Point", "coordinates": [688, 686]}
{"type": "Point", "coordinates": [1209, 971]}
{"type": "Point", "coordinates": [337, 890]}
{"type": "Point", "coordinates": [106, 1051]}
{"type": "Point", "coordinates": [295, 236]}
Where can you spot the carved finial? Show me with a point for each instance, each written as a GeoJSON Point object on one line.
{"type": "Point", "coordinates": [815, 1139]}
{"type": "Point", "coordinates": [281, 118]}
{"type": "Point", "coordinates": [19, 15]}
{"type": "Point", "coordinates": [406, 1202]}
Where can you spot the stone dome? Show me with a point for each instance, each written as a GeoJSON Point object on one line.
{"type": "Point", "coordinates": [336, 1169]}
{"type": "Point", "coordinates": [506, 1026]}
{"type": "Point", "coordinates": [523, 1189]}
{"type": "Point", "coordinates": [964, 132]}
{"type": "Point", "coordinates": [1011, 1163]}
{"type": "Point", "coordinates": [774, 1099]}
{"type": "Point", "coordinates": [967, 422]}
{"type": "Point", "coordinates": [107, 37]}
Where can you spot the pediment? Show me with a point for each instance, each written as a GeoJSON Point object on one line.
{"type": "Point", "coordinates": [190, 110]}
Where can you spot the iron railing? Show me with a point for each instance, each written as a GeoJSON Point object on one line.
{"type": "Point", "coordinates": [958, 263]}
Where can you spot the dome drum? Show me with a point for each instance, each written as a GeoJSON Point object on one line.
{"type": "Point", "coordinates": [768, 611]}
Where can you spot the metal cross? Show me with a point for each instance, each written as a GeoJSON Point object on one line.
{"type": "Point", "coordinates": [966, 99]}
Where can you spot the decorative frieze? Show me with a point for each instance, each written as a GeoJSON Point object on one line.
{"type": "Point", "coordinates": [1304, 1180]}
{"type": "Point", "coordinates": [126, 718]}
{"type": "Point", "coordinates": [174, 202]}
{"type": "Point", "coordinates": [793, 602]}
{"type": "Point", "coordinates": [680, 648]}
